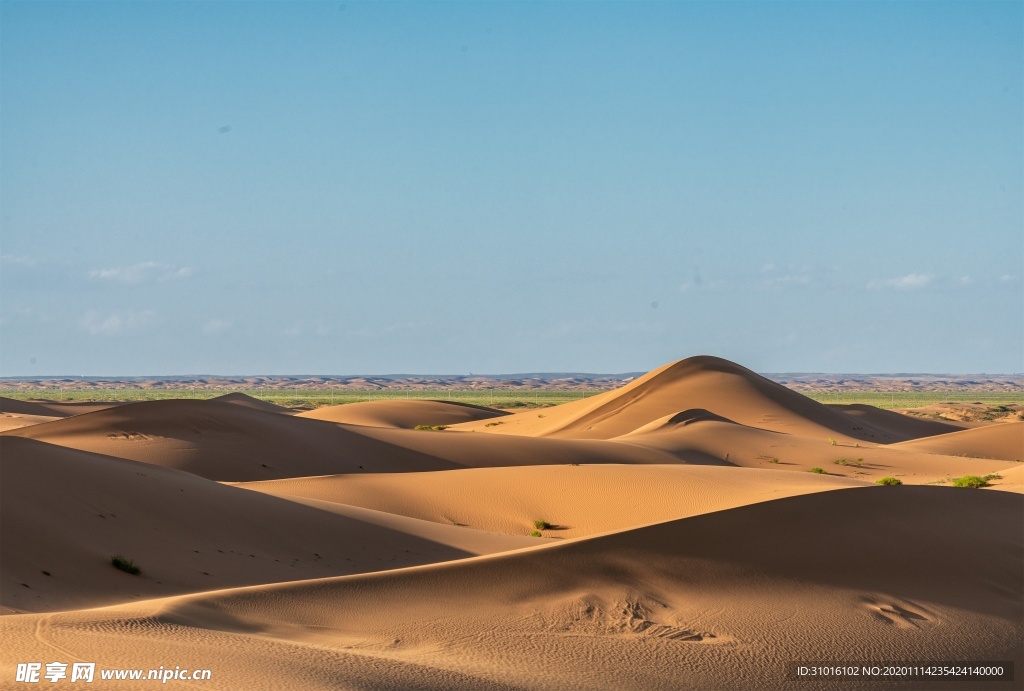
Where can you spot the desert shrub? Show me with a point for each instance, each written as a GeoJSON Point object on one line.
{"type": "Point", "coordinates": [435, 428]}
{"type": "Point", "coordinates": [820, 471]}
{"type": "Point", "coordinates": [832, 441]}
{"type": "Point", "coordinates": [535, 533]}
{"type": "Point", "coordinates": [972, 481]}
{"type": "Point", "coordinates": [773, 460]}
{"type": "Point", "coordinates": [123, 563]}
{"type": "Point", "coordinates": [888, 481]}
{"type": "Point", "coordinates": [840, 461]}
{"type": "Point", "coordinates": [992, 476]}
{"type": "Point", "coordinates": [493, 424]}
{"type": "Point", "coordinates": [541, 525]}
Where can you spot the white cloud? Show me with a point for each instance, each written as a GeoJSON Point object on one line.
{"type": "Point", "coordinates": [18, 260]}
{"type": "Point", "coordinates": [216, 326]}
{"type": "Point", "coordinates": [965, 280]}
{"type": "Point", "coordinates": [114, 323]}
{"type": "Point", "coordinates": [142, 272]}
{"type": "Point", "coordinates": [1006, 278]}
{"type": "Point", "coordinates": [786, 281]}
{"type": "Point", "coordinates": [908, 282]}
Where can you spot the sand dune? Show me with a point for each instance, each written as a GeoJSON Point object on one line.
{"type": "Point", "coordinates": [69, 511]}
{"type": "Point", "coordinates": [404, 414]}
{"type": "Point", "coordinates": [722, 600]}
{"type": "Point", "coordinates": [250, 402]}
{"type": "Point", "coordinates": [52, 408]}
{"type": "Point", "coordinates": [720, 386]}
{"type": "Point", "coordinates": [1003, 440]}
{"type": "Point", "coordinates": [9, 421]}
{"type": "Point", "coordinates": [899, 426]}
{"type": "Point", "coordinates": [701, 437]}
{"type": "Point", "coordinates": [224, 441]}
{"type": "Point", "coordinates": [689, 546]}
{"type": "Point", "coordinates": [576, 500]}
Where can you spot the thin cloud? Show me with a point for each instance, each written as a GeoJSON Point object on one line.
{"type": "Point", "coordinates": [115, 323]}
{"type": "Point", "coordinates": [908, 282]}
{"type": "Point", "coordinates": [17, 260]}
{"type": "Point", "coordinates": [216, 326]}
{"type": "Point", "coordinates": [142, 273]}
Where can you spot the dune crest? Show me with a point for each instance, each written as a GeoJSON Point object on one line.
{"type": "Point", "coordinates": [403, 414]}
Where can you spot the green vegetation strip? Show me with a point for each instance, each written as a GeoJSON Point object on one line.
{"type": "Point", "coordinates": [500, 398]}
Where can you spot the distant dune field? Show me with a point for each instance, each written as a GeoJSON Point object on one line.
{"type": "Point", "coordinates": [699, 527]}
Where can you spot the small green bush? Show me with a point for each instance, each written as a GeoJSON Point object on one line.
{"type": "Point", "coordinates": [127, 565]}
{"type": "Point", "coordinates": [773, 460]}
{"type": "Point", "coordinates": [820, 471]}
{"type": "Point", "coordinates": [992, 476]}
{"type": "Point", "coordinates": [541, 525]}
{"type": "Point", "coordinates": [972, 481]}
{"type": "Point", "coordinates": [535, 533]}
{"type": "Point", "coordinates": [840, 461]}
{"type": "Point", "coordinates": [831, 441]}
{"type": "Point", "coordinates": [888, 481]}
{"type": "Point", "coordinates": [434, 428]}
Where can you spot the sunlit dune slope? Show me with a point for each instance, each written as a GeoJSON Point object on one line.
{"type": "Point", "coordinates": [575, 500]}
{"type": "Point", "coordinates": [1003, 440]}
{"type": "Point", "coordinates": [404, 414]}
{"type": "Point", "coordinates": [720, 386]}
{"type": "Point", "coordinates": [9, 421]}
{"type": "Point", "coordinates": [65, 513]}
{"type": "Point", "coordinates": [717, 601]}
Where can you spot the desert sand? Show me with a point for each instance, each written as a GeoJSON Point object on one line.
{"type": "Point", "coordinates": [685, 543]}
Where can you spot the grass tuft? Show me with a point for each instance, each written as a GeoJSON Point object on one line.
{"type": "Point", "coordinates": [535, 533]}
{"type": "Point", "coordinates": [541, 525]}
{"type": "Point", "coordinates": [972, 481]}
{"type": "Point", "coordinates": [888, 481]}
{"type": "Point", "coordinates": [125, 564]}
{"type": "Point", "coordinates": [820, 471]}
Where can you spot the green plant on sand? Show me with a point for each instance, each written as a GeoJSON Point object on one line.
{"type": "Point", "coordinates": [125, 564]}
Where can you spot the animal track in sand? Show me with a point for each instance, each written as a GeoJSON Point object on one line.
{"type": "Point", "coordinates": [624, 617]}
{"type": "Point", "coordinates": [129, 436]}
{"type": "Point", "coordinates": [903, 617]}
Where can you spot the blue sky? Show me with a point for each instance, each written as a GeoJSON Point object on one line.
{"type": "Point", "coordinates": [375, 187]}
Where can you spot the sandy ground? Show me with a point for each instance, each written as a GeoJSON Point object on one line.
{"type": "Point", "coordinates": [685, 543]}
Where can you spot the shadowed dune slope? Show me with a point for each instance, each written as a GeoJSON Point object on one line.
{"type": "Point", "coordinates": [720, 386]}
{"type": "Point", "coordinates": [228, 442]}
{"type": "Point", "coordinates": [722, 600]}
{"type": "Point", "coordinates": [65, 513]}
{"type": "Point", "coordinates": [52, 408]}
{"type": "Point", "coordinates": [575, 500]}
{"type": "Point", "coordinates": [1003, 440]}
{"type": "Point", "coordinates": [901, 427]}
{"type": "Point", "coordinates": [242, 399]}
{"type": "Point", "coordinates": [700, 437]}
{"type": "Point", "coordinates": [403, 414]}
